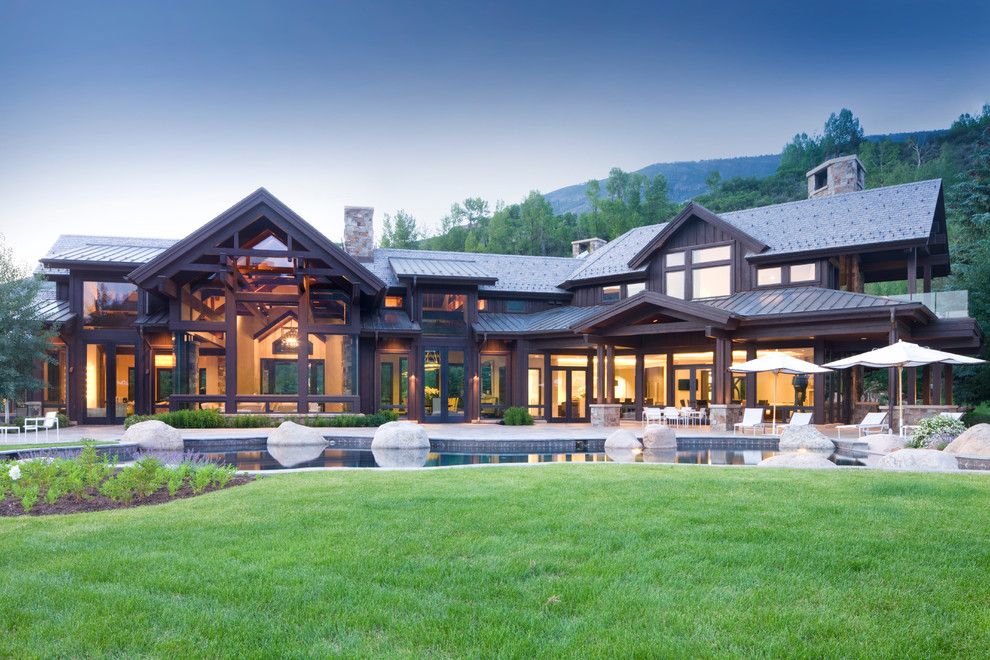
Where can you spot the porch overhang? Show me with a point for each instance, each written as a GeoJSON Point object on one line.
{"type": "Point", "coordinates": [683, 315]}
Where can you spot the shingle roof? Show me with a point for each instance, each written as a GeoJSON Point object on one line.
{"type": "Point", "coordinates": [792, 300]}
{"type": "Point", "coordinates": [555, 319]}
{"type": "Point", "coordinates": [443, 269]}
{"type": "Point", "coordinates": [518, 273]}
{"type": "Point", "coordinates": [613, 258]}
{"type": "Point", "coordinates": [878, 215]}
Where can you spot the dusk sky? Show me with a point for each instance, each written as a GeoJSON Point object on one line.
{"type": "Point", "coordinates": [148, 119]}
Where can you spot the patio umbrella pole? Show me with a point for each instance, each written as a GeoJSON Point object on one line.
{"type": "Point", "coordinates": [900, 398]}
{"type": "Point", "coordinates": [773, 422]}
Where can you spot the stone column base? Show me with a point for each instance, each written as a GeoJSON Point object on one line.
{"type": "Point", "coordinates": [604, 414]}
{"type": "Point", "coordinates": [724, 416]}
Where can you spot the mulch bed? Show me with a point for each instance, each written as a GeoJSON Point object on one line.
{"type": "Point", "coordinates": [11, 506]}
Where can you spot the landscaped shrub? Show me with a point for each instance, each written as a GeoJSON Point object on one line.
{"type": "Point", "coordinates": [89, 474]}
{"type": "Point", "coordinates": [211, 419]}
{"type": "Point", "coordinates": [517, 416]}
{"type": "Point", "coordinates": [978, 415]}
{"type": "Point", "coordinates": [935, 432]}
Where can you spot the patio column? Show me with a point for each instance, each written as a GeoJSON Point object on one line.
{"type": "Point", "coordinates": [912, 270]}
{"type": "Point", "coordinates": [610, 376]}
{"type": "Point", "coordinates": [947, 371]}
{"type": "Point", "coordinates": [600, 384]}
{"type": "Point", "coordinates": [722, 390]}
{"type": "Point", "coordinates": [926, 385]}
{"type": "Point", "coordinates": [936, 386]}
{"type": "Point", "coordinates": [911, 380]}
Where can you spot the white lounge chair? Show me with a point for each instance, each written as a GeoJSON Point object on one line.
{"type": "Point", "coordinates": [797, 419]}
{"type": "Point", "coordinates": [652, 416]}
{"type": "Point", "coordinates": [872, 422]}
{"type": "Point", "coordinates": [752, 419]}
{"type": "Point", "coordinates": [952, 415]}
{"type": "Point", "coordinates": [671, 415]}
{"type": "Point", "coordinates": [49, 421]}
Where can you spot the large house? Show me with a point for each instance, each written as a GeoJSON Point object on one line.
{"type": "Point", "coordinates": [260, 312]}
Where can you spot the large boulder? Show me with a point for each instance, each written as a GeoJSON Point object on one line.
{"type": "Point", "coordinates": [659, 437]}
{"type": "Point", "coordinates": [884, 443]}
{"type": "Point", "coordinates": [400, 458]}
{"type": "Point", "coordinates": [290, 433]}
{"type": "Point", "coordinates": [805, 437]}
{"type": "Point", "coordinates": [622, 439]}
{"type": "Point", "coordinates": [813, 460]}
{"type": "Point", "coordinates": [918, 460]}
{"type": "Point", "coordinates": [293, 455]}
{"type": "Point", "coordinates": [154, 434]}
{"type": "Point", "coordinates": [974, 441]}
{"type": "Point", "coordinates": [400, 435]}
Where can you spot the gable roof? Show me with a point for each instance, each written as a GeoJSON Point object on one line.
{"type": "Point", "coordinates": [693, 210]}
{"type": "Point", "coordinates": [851, 221]}
{"type": "Point", "coordinates": [261, 197]}
{"type": "Point", "coordinates": [75, 250]}
{"type": "Point", "coordinates": [645, 303]}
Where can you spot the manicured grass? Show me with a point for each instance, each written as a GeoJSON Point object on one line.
{"type": "Point", "coordinates": [577, 560]}
{"type": "Point", "coordinates": [48, 445]}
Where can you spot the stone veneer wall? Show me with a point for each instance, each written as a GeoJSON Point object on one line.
{"type": "Point", "coordinates": [724, 417]}
{"type": "Point", "coordinates": [359, 232]}
{"type": "Point", "coordinates": [604, 414]}
{"type": "Point", "coordinates": [844, 175]}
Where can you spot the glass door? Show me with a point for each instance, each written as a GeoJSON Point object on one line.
{"type": "Point", "coordinates": [110, 383]}
{"type": "Point", "coordinates": [568, 394]}
{"type": "Point", "coordinates": [692, 387]}
{"type": "Point", "coordinates": [443, 385]}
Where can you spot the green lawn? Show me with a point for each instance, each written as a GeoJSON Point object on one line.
{"type": "Point", "coordinates": [577, 560]}
{"type": "Point", "coordinates": [49, 445]}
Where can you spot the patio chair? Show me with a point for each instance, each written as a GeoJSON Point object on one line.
{"type": "Point", "coordinates": [671, 415]}
{"type": "Point", "coordinates": [874, 421]}
{"type": "Point", "coordinates": [797, 419]}
{"type": "Point", "coordinates": [652, 416]}
{"type": "Point", "coordinates": [952, 415]}
{"type": "Point", "coordinates": [49, 421]}
{"type": "Point", "coordinates": [752, 419]}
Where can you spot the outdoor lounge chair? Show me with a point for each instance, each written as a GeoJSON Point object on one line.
{"type": "Point", "coordinates": [752, 419]}
{"type": "Point", "coordinates": [49, 421]}
{"type": "Point", "coordinates": [671, 415]}
{"type": "Point", "coordinates": [652, 416]}
{"type": "Point", "coordinates": [797, 419]}
{"type": "Point", "coordinates": [873, 422]}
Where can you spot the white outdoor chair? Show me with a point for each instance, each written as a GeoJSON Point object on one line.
{"type": "Point", "coordinates": [49, 421]}
{"type": "Point", "coordinates": [652, 416]}
{"type": "Point", "coordinates": [752, 419]}
{"type": "Point", "coordinates": [952, 415]}
{"type": "Point", "coordinates": [671, 415]}
{"type": "Point", "coordinates": [797, 419]}
{"type": "Point", "coordinates": [874, 421]}
{"type": "Point", "coordinates": [688, 414]}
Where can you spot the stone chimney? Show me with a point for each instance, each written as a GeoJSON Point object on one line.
{"type": "Point", "coordinates": [586, 246]}
{"type": "Point", "coordinates": [837, 176]}
{"type": "Point", "coordinates": [359, 232]}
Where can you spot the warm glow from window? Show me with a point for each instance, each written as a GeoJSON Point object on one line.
{"type": "Point", "coordinates": [706, 255]}
{"type": "Point", "coordinates": [164, 361]}
{"type": "Point", "coordinates": [711, 282]}
{"type": "Point", "coordinates": [769, 276]}
{"type": "Point", "coordinates": [394, 302]}
{"type": "Point", "coordinates": [803, 272]}
{"type": "Point", "coordinates": [611, 293]}
{"type": "Point", "coordinates": [482, 304]}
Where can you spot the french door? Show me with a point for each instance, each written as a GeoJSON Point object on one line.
{"type": "Point", "coordinates": [693, 386]}
{"type": "Point", "coordinates": [568, 394]}
{"type": "Point", "coordinates": [443, 385]}
{"type": "Point", "coordinates": [109, 383]}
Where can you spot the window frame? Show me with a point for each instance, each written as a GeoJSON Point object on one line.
{"type": "Point", "coordinates": [689, 267]}
{"type": "Point", "coordinates": [785, 275]}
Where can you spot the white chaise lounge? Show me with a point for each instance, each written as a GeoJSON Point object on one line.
{"type": "Point", "coordinates": [752, 419]}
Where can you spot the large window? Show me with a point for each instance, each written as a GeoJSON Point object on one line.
{"type": "Point", "coordinates": [393, 377]}
{"type": "Point", "coordinates": [611, 293]}
{"type": "Point", "coordinates": [109, 304]}
{"type": "Point", "coordinates": [654, 380]}
{"type": "Point", "coordinates": [784, 275]}
{"type": "Point", "coordinates": [444, 313]}
{"type": "Point", "coordinates": [534, 381]}
{"type": "Point", "coordinates": [703, 272]}
{"type": "Point", "coordinates": [711, 282]}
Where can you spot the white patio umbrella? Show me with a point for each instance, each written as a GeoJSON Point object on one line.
{"type": "Point", "coordinates": [902, 354]}
{"type": "Point", "coordinates": [778, 363]}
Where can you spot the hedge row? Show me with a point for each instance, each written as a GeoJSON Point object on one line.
{"type": "Point", "coordinates": [211, 419]}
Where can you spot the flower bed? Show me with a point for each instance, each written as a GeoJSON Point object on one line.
{"type": "Point", "coordinates": [91, 482]}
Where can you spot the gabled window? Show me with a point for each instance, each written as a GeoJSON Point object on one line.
{"type": "Point", "coordinates": [702, 272]}
{"type": "Point", "coordinates": [611, 293]}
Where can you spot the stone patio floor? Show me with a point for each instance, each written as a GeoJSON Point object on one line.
{"type": "Point", "coordinates": [539, 431]}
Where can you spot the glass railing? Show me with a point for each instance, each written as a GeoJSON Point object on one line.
{"type": "Point", "coordinates": [944, 304]}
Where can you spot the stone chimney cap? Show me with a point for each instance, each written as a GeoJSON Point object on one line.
{"type": "Point", "coordinates": [833, 161]}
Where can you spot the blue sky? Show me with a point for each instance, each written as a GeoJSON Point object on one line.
{"type": "Point", "coordinates": [148, 119]}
